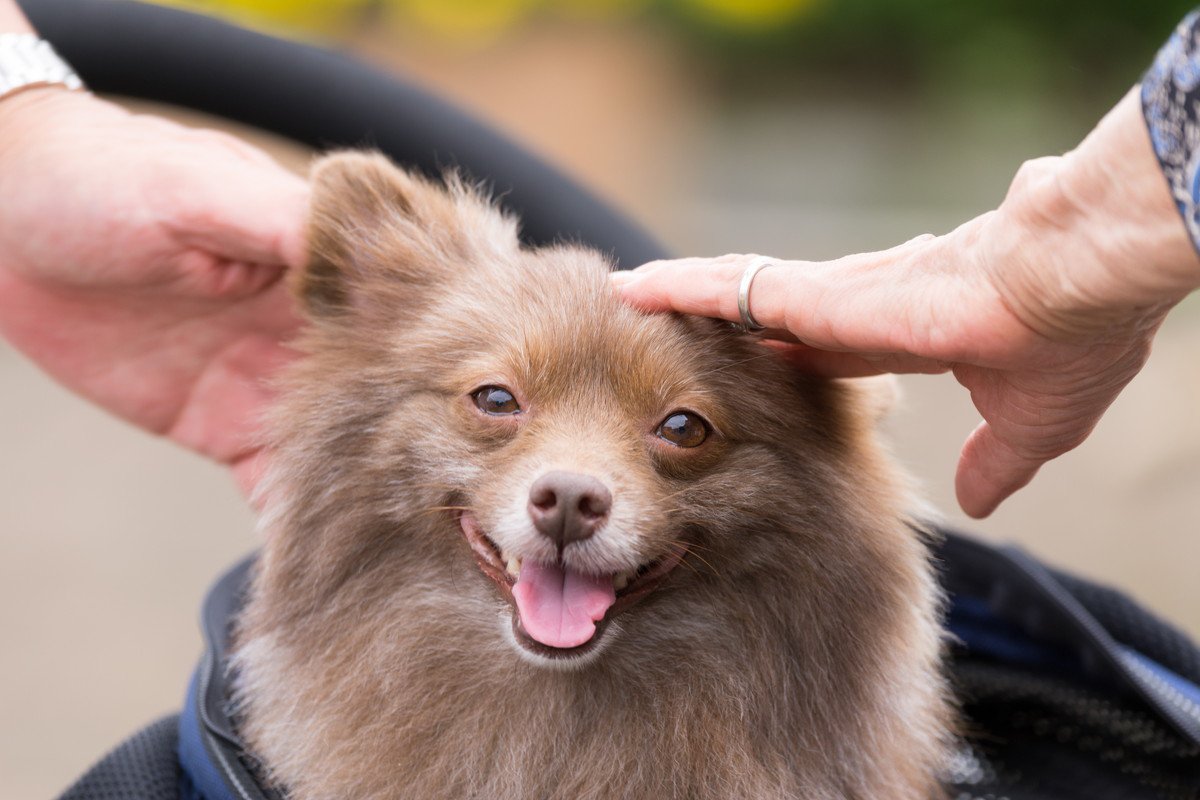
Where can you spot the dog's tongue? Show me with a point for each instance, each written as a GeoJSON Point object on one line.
{"type": "Point", "coordinates": [560, 607]}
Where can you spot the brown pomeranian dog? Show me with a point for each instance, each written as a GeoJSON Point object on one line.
{"type": "Point", "coordinates": [525, 542]}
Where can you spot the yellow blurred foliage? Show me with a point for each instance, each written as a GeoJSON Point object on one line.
{"type": "Point", "coordinates": [598, 9]}
{"type": "Point", "coordinates": [476, 21]}
{"type": "Point", "coordinates": [748, 14]}
{"type": "Point", "coordinates": [317, 16]}
{"type": "Point", "coordinates": [470, 20]}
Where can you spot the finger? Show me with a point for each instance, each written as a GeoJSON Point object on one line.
{"type": "Point", "coordinates": [666, 271]}
{"type": "Point", "coordinates": [873, 302]}
{"type": "Point", "coordinates": [685, 263]}
{"type": "Point", "coordinates": [825, 363]}
{"type": "Point", "coordinates": [832, 364]}
{"type": "Point", "coordinates": [989, 471]}
{"type": "Point", "coordinates": [199, 273]}
{"type": "Point", "coordinates": [700, 286]}
{"type": "Point", "coordinates": [223, 414]}
{"type": "Point", "coordinates": [252, 213]}
{"type": "Point", "coordinates": [248, 471]}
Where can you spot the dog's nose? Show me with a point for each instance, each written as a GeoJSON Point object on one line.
{"type": "Point", "coordinates": [567, 506]}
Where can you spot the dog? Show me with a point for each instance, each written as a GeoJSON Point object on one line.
{"type": "Point", "coordinates": [524, 541]}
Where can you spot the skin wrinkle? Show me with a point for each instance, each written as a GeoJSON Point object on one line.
{"type": "Point", "coordinates": [374, 660]}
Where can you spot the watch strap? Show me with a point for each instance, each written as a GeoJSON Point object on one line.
{"type": "Point", "coordinates": [27, 61]}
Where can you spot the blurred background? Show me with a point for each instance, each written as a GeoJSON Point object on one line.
{"type": "Point", "coordinates": [798, 128]}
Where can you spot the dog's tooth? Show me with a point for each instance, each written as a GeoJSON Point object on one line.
{"type": "Point", "coordinates": [514, 567]}
{"type": "Point", "coordinates": [620, 581]}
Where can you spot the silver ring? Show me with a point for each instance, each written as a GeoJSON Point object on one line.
{"type": "Point", "coordinates": [749, 324]}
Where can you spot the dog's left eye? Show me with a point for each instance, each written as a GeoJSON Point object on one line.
{"type": "Point", "coordinates": [496, 400]}
{"type": "Point", "coordinates": [683, 429]}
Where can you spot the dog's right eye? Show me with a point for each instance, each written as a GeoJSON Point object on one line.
{"type": "Point", "coordinates": [683, 429]}
{"type": "Point", "coordinates": [496, 400]}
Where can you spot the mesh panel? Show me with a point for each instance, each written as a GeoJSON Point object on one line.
{"type": "Point", "coordinates": [1032, 737]}
{"type": "Point", "coordinates": [143, 767]}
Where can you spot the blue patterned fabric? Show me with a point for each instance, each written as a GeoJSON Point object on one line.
{"type": "Point", "coordinates": [199, 778]}
{"type": "Point", "coordinates": [1171, 105]}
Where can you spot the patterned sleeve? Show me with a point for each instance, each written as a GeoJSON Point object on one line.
{"type": "Point", "coordinates": [1171, 106]}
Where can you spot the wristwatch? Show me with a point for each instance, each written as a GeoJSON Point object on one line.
{"type": "Point", "coordinates": [27, 61]}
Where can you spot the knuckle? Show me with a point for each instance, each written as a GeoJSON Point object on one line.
{"type": "Point", "coordinates": [731, 265]}
{"type": "Point", "coordinates": [1034, 169]}
{"type": "Point", "coordinates": [1038, 195]}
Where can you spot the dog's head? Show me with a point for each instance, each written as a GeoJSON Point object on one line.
{"type": "Point", "coordinates": [505, 506]}
{"type": "Point", "coordinates": [492, 423]}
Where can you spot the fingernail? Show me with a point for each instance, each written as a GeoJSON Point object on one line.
{"type": "Point", "coordinates": [620, 279]}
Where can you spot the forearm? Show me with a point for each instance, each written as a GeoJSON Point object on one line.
{"type": "Point", "coordinates": [1115, 174]}
{"type": "Point", "coordinates": [11, 18]}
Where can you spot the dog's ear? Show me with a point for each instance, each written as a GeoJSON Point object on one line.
{"type": "Point", "coordinates": [378, 234]}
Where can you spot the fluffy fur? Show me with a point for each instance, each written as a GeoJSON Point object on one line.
{"type": "Point", "coordinates": [793, 654]}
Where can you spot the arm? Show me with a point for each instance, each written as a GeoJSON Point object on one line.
{"type": "Point", "coordinates": [140, 264]}
{"type": "Point", "coordinates": [12, 20]}
{"type": "Point", "coordinates": [1044, 309]}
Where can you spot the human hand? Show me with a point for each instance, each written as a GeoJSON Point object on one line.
{"type": "Point", "coordinates": [140, 265]}
{"type": "Point", "coordinates": [1043, 309]}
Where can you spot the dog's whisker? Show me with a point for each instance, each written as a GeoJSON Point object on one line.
{"type": "Point", "coordinates": [676, 494]}
{"type": "Point", "coordinates": [695, 548]}
{"type": "Point", "coordinates": [690, 549]}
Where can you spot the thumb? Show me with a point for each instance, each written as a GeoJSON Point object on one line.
{"type": "Point", "coordinates": [989, 470]}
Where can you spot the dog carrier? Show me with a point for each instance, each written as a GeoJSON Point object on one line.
{"type": "Point", "coordinates": [1070, 690]}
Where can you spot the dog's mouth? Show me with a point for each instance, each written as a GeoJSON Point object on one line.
{"type": "Point", "coordinates": [557, 611]}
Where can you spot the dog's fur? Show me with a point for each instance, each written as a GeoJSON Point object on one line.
{"type": "Point", "coordinates": [793, 654]}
